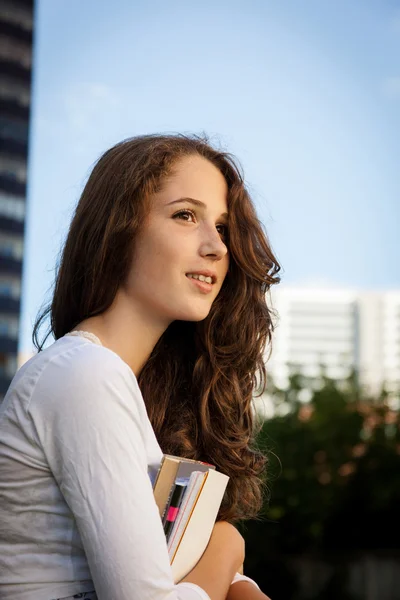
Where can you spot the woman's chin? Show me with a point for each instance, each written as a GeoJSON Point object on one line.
{"type": "Point", "coordinates": [193, 315]}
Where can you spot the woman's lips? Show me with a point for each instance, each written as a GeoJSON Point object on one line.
{"type": "Point", "coordinates": [202, 286]}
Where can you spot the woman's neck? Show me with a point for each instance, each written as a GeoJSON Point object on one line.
{"type": "Point", "coordinates": [127, 330]}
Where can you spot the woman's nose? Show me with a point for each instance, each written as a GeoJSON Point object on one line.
{"type": "Point", "coordinates": [212, 244]}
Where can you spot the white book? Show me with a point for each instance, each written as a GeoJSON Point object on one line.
{"type": "Point", "coordinates": [199, 513]}
{"type": "Point", "coordinates": [188, 501]}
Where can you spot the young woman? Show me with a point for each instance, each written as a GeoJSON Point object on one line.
{"type": "Point", "coordinates": [160, 321]}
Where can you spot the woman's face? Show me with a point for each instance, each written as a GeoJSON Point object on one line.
{"type": "Point", "coordinates": [183, 235]}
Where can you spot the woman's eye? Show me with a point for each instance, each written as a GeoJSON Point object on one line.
{"type": "Point", "coordinates": [182, 214]}
{"type": "Point", "coordinates": [187, 214]}
{"type": "Point", "coordinates": [222, 230]}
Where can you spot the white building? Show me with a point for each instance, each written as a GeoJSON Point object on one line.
{"type": "Point", "coordinates": [340, 328]}
{"type": "Point", "coordinates": [391, 339]}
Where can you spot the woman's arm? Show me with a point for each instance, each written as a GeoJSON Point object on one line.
{"type": "Point", "coordinates": [216, 569]}
{"type": "Point", "coordinates": [92, 424]}
{"type": "Point", "coordinates": [244, 590]}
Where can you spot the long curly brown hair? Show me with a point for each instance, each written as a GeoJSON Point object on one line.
{"type": "Point", "coordinates": [200, 379]}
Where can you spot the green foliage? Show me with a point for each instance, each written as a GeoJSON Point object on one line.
{"type": "Point", "coordinates": [333, 476]}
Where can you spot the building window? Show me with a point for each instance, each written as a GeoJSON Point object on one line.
{"type": "Point", "coordinates": [13, 168]}
{"type": "Point", "coordinates": [15, 51]}
{"type": "Point", "coordinates": [6, 249]}
{"type": "Point", "coordinates": [8, 365]}
{"type": "Point", "coordinates": [14, 129]}
{"type": "Point", "coordinates": [3, 364]}
{"type": "Point", "coordinates": [14, 90]}
{"type": "Point", "coordinates": [12, 207]}
{"type": "Point", "coordinates": [18, 15]}
{"type": "Point", "coordinates": [8, 326]}
{"type": "Point", "coordinates": [6, 289]}
{"type": "Point", "coordinates": [11, 246]}
{"type": "Point", "coordinates": [10, 286]}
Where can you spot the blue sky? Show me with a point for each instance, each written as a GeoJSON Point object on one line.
{"type": "Point", "coordinates": [305, 94]}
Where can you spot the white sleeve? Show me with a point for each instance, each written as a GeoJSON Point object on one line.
{"type": "Point", "coordinates": [240, 577]}
{"type": "Point", "coordinates": [90, 422]}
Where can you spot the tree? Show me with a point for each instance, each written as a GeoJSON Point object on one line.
{"type": "Point", "coordinates": [333, 480]}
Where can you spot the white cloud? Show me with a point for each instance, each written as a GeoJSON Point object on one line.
{"type": "Point", "coordinates": [391, 87]}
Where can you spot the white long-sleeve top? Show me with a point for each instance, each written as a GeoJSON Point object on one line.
{"type": "Point", "coordinates": [77, 455]}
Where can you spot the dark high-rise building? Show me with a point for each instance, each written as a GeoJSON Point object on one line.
{"type": "Point", "coordinates": [16, 32]}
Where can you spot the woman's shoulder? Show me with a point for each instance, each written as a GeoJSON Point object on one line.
{"type": "Point", "coordinates": [73, 379]}
{"type": "Point", "coordinates": [73, 368]}
{"type": "Point", "coordinates": [75, 357]}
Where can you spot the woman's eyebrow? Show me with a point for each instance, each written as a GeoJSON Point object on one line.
{"type": "Point", "coordinates": [195, 202]}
